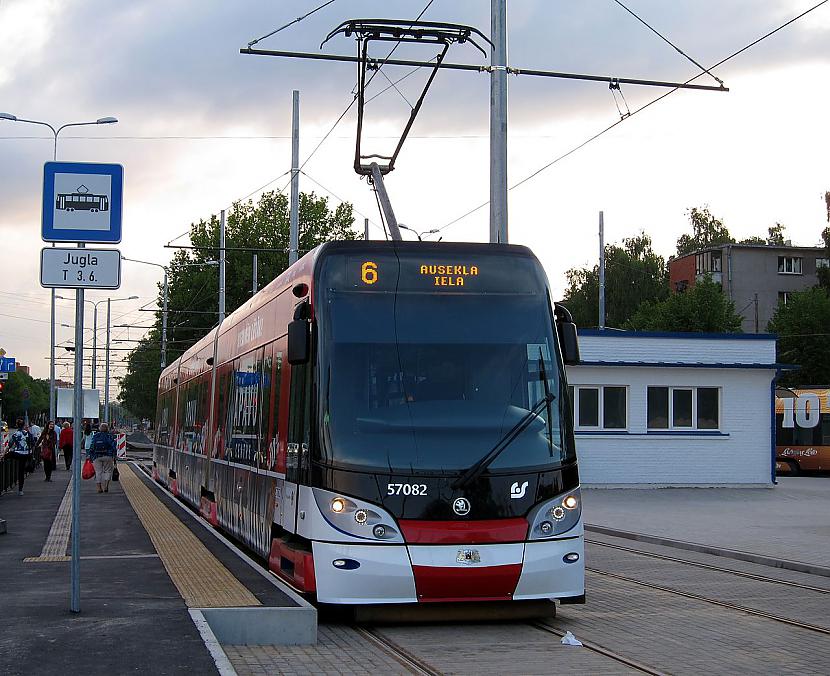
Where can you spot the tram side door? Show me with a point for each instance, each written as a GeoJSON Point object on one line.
{"type": "Point", "coordinates": [296, 462]}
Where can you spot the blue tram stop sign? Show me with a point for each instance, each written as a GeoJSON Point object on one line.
{"type": "Point", "coordinates": [82, 202]}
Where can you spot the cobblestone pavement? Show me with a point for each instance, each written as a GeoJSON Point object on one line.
{"type": "Point", "coordinates": [718, 561]}
{"type": "Point", "coordinates": [789, 521]}
{"type": "Point", "coordinates": [340, 650]}
{"type": "Point", "coordinates": [801, 605]}
{"type": "Point", "coordinates": [686, 636]}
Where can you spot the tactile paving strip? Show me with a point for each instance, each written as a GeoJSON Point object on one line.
{"type": "Point", "coordinates": [202, 580]}
{"type": "Point", "coordinates": [54, 549]}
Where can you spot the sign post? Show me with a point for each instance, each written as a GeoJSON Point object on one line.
{"type": "Point", "coordinates": [81, 203]}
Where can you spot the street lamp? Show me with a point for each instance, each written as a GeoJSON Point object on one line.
{"type": "Point", "coordinates": [55, 132]}
{"type": "Point", "coordinates": [164, 301]}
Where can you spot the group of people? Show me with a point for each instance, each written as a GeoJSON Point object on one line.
{"type": "Point", "coordinates": [99, 446]}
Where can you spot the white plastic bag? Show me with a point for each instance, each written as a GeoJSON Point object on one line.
{"type": "Point", "coordinates": [570, 639]}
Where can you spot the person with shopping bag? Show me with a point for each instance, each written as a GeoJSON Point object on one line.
{"type": "Point", "coordinates": [48, 444]}
{"type": "Point", "coordinates": [102, 452]}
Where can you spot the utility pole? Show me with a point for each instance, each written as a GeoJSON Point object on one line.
{"type": "Point", "coordinates": [77, 410]}
{"type": "Point", "coordinates": [94, 343]}
{"type": "Point", "coordinates": [498, 122]}
{"type": "Point", "coordinates": [254, 274]}
{"type": "Point", "coordinates": [366, 229]}
{"type": "Point", "coordinates": [164, 324]}
{"type": "Point", "coordinates": [756, 313]}
{"type": "Point", "coordinates": [601, 270]}
{"type": "Point", "coordinates": [222, 266]}
{"type": "Point", "coordinates": [294, 232]}
{"type": "Point", "coordinates": [107, 369]}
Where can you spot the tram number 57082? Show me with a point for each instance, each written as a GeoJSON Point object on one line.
{"type": "Point", "coordinates": [406, 489]}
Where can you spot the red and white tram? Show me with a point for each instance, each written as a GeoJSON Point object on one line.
{"type": "Point", "coordinates": [388, 422]}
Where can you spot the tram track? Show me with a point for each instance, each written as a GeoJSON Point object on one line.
{"type": "Point", "coordinates": [707, 566]}
{"type": "Point", "coordinates": [410, 661]}
{"type": "Point", "coordinates": [723, 604]}
{"type": "Point", "coordinates": [605, 652]}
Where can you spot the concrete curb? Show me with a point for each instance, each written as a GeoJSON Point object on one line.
{"type": "Point", "coordinates": [749, 557]}
{"type": "Point", "coordinates": [261, 626]}
{"type": "Point", "coordinates": [220, 659]}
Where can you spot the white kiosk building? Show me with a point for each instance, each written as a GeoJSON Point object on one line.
{"type": "Point", "coordinates": [675, 409]}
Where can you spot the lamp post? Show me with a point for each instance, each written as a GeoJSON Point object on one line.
{"type": "Point", "coordinates": [164, 298]}
{"type": "Point", "coordinates": [55, 132]}
{"type": "Point", "coordinates": [95, 305]}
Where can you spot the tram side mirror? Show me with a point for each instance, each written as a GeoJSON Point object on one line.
{"type": "Point", "coordinates": [299, 336]}
{"type": "Point", "coordinates": [568, 339]}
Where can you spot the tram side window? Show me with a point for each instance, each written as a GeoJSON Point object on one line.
{"type": "Point", "coordinates": [265, 389]}
{"type": "Point", "coordinates": [243, 444]}
{"type": "Point", "coordinates": [163, 419]}
{"type": "Point", "coordinates": [223, 416]}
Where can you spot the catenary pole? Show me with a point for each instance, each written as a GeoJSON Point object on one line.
{"type": "Point", "coordinates": [366, 229]}
{"type": "Point", "coordinates": [254, 274]}
{"type": "Point", "coordinates": [294, 233]}
{"type": "Point", "coordinates": [164, 323]}
{"type": "Point", "coordinates": [94, 342]}
{"type": "Point", "coordinates": [75, 565]}
{"type": "Point", "coordinates": [498, 122]}
{"type": "Point", "coordinates": [107, 370]}
{"type": "Point", "coordinates": [601, 270]}
{"type": "Point", "coordinates": [222, 265]}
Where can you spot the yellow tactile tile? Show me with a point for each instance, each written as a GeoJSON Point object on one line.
{"type": "Point", "coordinates": [202, 580]}
{"type": "Point", "coordinates": [54, 549]}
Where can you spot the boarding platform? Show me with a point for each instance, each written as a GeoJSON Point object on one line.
{"type": "Point", "coordinates": [159, 589]}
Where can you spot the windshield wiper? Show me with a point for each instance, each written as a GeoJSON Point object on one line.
{"type": "Point", "coordinates": [475, 470]}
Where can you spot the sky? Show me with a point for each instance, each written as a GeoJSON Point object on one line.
{"type": "Point", "coordinates": [201, 125]}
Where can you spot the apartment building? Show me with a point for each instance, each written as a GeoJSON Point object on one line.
{"type": "Point", "coordinates": [756, 277]}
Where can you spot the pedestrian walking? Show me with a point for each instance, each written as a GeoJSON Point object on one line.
{"type": "Point", "coordinates": [102, 452]}
{"type": "Point", "coordinates": [48, 443]}
{"type": "Point", "coordinates": [86, 439]}
{"type": "Point", "coordinates": [21, 446]}
{"type": "Point", "coordinates": [65, 442]}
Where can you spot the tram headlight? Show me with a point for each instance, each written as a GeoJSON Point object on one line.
{"type": "Point", "coordinates": [338, 505]}
{"type": "Point", "coordinates": [361, 516]}
{"type": "Point", "coordinates": [379, 531]}
{"type": "Point", "coordinates": [557, 513]}
{"type": "Point", "coordinates": [556, 516]}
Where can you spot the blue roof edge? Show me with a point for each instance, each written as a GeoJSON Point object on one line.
{"type": "Point", "coordinates": [620, 333]}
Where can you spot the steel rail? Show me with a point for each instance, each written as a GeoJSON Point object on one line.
{"type": "Point", "coordinates": [723, 604]}
{"type": "Point", "coordinates": [406, 658]}
{"type": "Point", "coordinates": [602, 651]}
{"type": "Point", "coordinates": [707, 566]}
{"type": "Point", "coordinates": [373, 63]}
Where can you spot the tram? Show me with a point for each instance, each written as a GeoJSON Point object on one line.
{"type": "Point", "coordinates": [388, 422]}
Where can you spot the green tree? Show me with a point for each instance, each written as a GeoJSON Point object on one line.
{"type": "Point", "coordinates": [633, 274]}
{"type": "Point", "coordinates": [702, 308]}
{"type": "Point", "coordinates": [262, 228]}
{"type": "Point", "coordinates": [15, 406]}
{"type": "Point", "coordinates": [775, 234]}
{"type": "Point", "coordinates": [140, 382]}
{"type": "Point", "coordinates": [706, 231]}
{"type": "Point", "coordinates": [803, 328]}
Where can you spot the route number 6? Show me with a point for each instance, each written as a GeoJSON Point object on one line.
{"type": "Point", "coordinates": [369, 272]}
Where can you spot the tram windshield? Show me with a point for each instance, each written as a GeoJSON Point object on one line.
{"type": "Point", "coordinates": [426, 365]}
